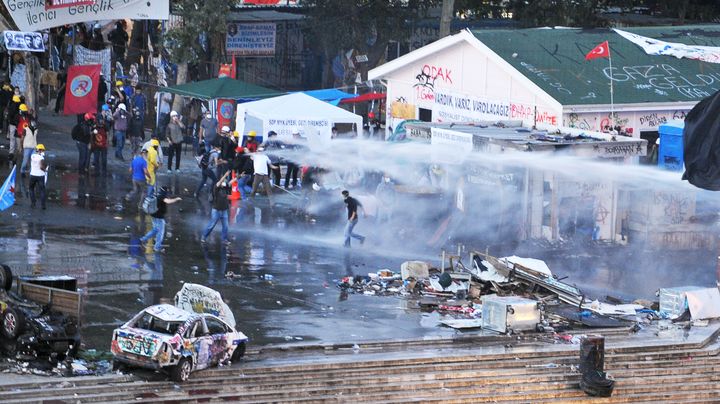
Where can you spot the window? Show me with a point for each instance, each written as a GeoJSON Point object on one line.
{"type": "Point", "coordinates": [151, 323]}
{"type": "Point", "coordinates": [215, 326]}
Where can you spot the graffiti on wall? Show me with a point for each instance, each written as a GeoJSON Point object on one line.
{"type": "Point", "coordinates": [426, 79]}
{"type": "Point", "coordinates": [664, 79]}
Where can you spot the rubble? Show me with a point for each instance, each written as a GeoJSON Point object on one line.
{"type": "Point", "coordinates": [490, 292]}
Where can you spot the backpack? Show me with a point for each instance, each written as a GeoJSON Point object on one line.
{"type": "Point", "coordinates": [204, 161]}
{"type": "Point", "coordinates": [150, 205]}
{"type": "Point", "coordinates": [77, 132]}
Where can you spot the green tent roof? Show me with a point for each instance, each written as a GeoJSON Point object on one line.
{"type": "Point", "coordinates": [224, 87]}
{"type": "Point", "coordinates": [554, 59]}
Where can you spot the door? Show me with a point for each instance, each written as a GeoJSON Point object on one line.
{"type": "Point", "coordinates": [199, 344]}
{"type": "Point", "coordinates": [219, 345]}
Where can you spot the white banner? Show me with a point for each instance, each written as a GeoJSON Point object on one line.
{"type": "Point", "coordinates": [256, 39]}
{"type": "Point", "coordinates": [453, 107]}
{"type": "Point", "coordinates": [85, 56]}
{"type": "Point", "coordinates": [31, 15]}
{"type": "Point", "coordinates": [24, 41]}
{"type": "Point", "coordinates": [17, 78]}
{"type": "Point", "coordinates": [652, 46]}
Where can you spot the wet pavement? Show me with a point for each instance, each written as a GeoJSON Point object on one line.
{"type": "Point", "coordinates": [285, 267]}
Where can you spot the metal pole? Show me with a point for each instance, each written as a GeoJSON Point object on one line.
{"type": "Point", "coordinates": [612, 102]}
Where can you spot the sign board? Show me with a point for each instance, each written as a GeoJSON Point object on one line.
{"type": "Point", "coordinates": [32, 15]}
{"type": "Point", "coordinates": [24, 41]}
{"type": "Point", "coordinates": [250, 39]}
{"type": "Point", "coordinates": [417, 133]}
{"type": "Point", "coordinates": [309, 128]}
{"type": "Point", "coordinates": [50, 4]}
{"type": "Point", "coordinates": [450, 146]}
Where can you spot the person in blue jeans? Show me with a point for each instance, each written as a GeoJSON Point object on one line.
{"type": "Point", "coordinates": [220, 206]}
{"type": "Point", "coordinates": [158, 219]}
{"type": "Point", "coordinates": [352, 209]}
{"type": "Point", "coordinates": [121, 119]}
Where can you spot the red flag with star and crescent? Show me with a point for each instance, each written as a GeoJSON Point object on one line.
{"type": "Point", "coordinates": [81, 90]}
{"type": "Point", "coordinates": [600, 51]}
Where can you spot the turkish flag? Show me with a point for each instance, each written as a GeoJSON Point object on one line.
{"type": "Point", "coordinates": [81, 89]}
{"type": "Point", "coordinates": [600, 51]}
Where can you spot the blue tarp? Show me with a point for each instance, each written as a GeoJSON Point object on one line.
{"type": "Point", "coordinates": [330, 95]}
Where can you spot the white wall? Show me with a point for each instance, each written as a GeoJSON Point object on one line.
{"type": "Point", "coordinates": [478, 87]}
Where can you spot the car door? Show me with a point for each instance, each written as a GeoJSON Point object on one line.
{"type": "Point", "coordinates": [219, 345]}
{"type": "Point", "coordinates": [198, 342]}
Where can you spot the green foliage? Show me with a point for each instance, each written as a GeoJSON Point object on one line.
{"type": "Point", "coordinates": [206, 18]}
{"type": "Point", "coordinates": [365, 25]}
{"type": "Point", "coordinates": [570, 13]}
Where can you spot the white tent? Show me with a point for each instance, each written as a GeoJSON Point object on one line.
{"type": "Point", "coordinates": [314, 118]}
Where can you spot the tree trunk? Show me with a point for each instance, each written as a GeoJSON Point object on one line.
{"type": "Point", "coordinates": [181, 79]}
{"type": "Point", "coordinates": [448, 10]}
{"type": "Point", "coordinates": [32, 82]}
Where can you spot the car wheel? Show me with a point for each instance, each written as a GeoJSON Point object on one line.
{"type": "Point", "coordinates": [6, 280]}
{"type": "Point", "coordinates": [181, 371]}
{"type": "Point", "coordinates": [239, 352]}
{"type": "Point", "coordinates": [13, 323]}
{"type": "Point", "coordinates": [117, 365]}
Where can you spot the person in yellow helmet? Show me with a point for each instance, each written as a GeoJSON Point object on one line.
{"type": "Point", "coordinates": [38, 173]}
{"type": "Point", "coordinates": [119, 93]}
{"type": "Point", "coordinates": [251, 142]}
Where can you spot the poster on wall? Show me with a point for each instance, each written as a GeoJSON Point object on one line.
{"type": "Point", "coordinates": [34, 16]}
{"type": "Point", "coordinates": [250, 39]}
{"type": "Point", "coordinates": [24, 41]}
{"type": "Point", "coordinates": [453, 107]}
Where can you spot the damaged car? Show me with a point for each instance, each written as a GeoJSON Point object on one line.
{"type": "Point", "coordinates": [41, 318]}
{"type": "Point", "coordinates": [196, 333]}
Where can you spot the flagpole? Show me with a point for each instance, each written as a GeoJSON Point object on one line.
{"type": "Point", "coordinates": [612, 101]}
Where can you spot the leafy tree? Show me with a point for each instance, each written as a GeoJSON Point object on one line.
{"type": "Point", "coordinates": [201, 37]}
{"type": "Point", "coordinates": [572, 13]}
{"type": "Point", "coordinates": [364, 25]}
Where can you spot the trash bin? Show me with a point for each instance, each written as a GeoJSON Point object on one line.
{"type": "Point", "coordinates": [592, 353]}
{"type": "Point", "coordinates": [670, 154]}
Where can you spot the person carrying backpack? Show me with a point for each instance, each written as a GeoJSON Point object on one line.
{"type": "Point", "coordinates": [207, 164]}
{"type": "Point", "coordinates": [158, 219]}
{"type": "Point", "coordinates": [98, 147]}
{"type": "Point", "coordinates": [82, 134]}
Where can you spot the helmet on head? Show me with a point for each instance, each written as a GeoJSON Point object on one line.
{"type": "Point", "coordinates": [105, 107]}
{"type": "Point", "coordinates": [89, 116]}
{"type": "Point", "coordinates": [225, 129]}
{"type": "Point", "coordinates": [236, 133]}
{"type": "Point", "coordinates": [23, 108]}
{"type": "Point", "coordinates": [371, 115]}
{"type": "Point", "coordinates": [16, 98]}
{"type": "Point", "coordinates": [155, 142]}
{"type": "Point", "coordinates": [173, 113]}
{"type": "Point", "coordinates": [119, 83]}
{"type": "Point", "coordinates": [252, 133]}
{"type": "Point", "coordinates": [122, 106]}
{"type": "Point", "coordinates": [40, 147]}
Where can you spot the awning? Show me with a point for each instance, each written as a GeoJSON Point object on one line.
{"type": "Point", "coordinates": [330, 95]}
{"type": "Point", "coordinates": [224, 87]}
{"type": "Point", "coordinates": [364, 97]}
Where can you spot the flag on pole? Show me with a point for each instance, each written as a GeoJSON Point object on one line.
{"type": "Point", "coordinates": [600, 51]}
{"type": "Point", "coordinates": [7, 192]}
{"type": "Point", "coordinates": [81, 92]}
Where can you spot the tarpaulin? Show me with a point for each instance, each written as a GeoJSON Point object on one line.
{"type": "Point", "coordinates": [701, 141]}
{"type": "Point", "coordinates": [81, 93]}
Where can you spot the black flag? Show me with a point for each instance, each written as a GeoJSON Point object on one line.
{"type": "Point", "coordinates": [701, 144]}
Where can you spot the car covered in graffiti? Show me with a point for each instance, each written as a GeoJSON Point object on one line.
{"type": "Point", "coordinates": [195, 333]}
{"type": "Point", "coordinates": [34, 320]}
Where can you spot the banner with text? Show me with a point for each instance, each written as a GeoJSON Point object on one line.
{"type": "Point", "coordinates": [450, 146]}
{"type": "Point", "coordinates": [32, 15]}
{"type": "Point", "coordinates": [49, 4]}
{"type": "Point", "coordinates": [255, 39]}
{"type": "Point", "coordinates": [454, 107]}
{"type": "Point", "coordinates": [311, 129]}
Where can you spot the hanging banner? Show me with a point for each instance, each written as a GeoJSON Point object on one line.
{"type": "Point", "coordinates": [81, 92]}
{"type": "Point", "coordinates": [50, 4]}
{"type": "Point", "coordinates": [255, 39]}
{"type": "Point", "coordinates": [453, 107]}
{"type": "Point", "coordinates": [17, 78]}
{"type": "Point", "coordinates": [24, 41]}
{"type": "Point", "coordinates": [32, 15]}
{"type": "Point", "coordinates": [85, 56]}
{"type": "Point", "coordinates": [225, 109]}
{"type": "Point", "coordinates": [652, 46]}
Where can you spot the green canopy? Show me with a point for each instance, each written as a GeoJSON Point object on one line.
{"type": "Point", "coordinates": [224, 87]}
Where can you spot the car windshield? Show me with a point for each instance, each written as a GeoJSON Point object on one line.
{"type": "Point", "coordinates": [151, 323]}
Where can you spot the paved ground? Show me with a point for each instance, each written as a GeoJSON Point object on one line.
{"type": "Point", "coordinates": [286, 266]}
